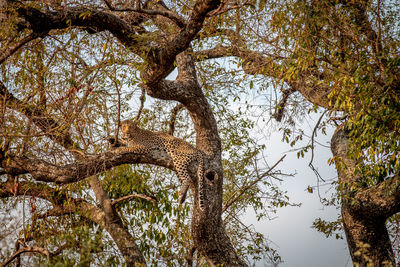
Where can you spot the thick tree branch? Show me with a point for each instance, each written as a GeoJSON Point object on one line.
{"type": "Point", "coordinates": [280, 108]}
{"type": "Point", "coordinates": [148, 198]}
{"type": "Point", "coordinates": [39, 190]}
{"type": "Point", "coordinates": [106, 217]}
{"type": "Point", "coordinates": [179, 21]}
{"type": "Point", "coordinates": [88, 19]}
{"type": "Point", "coordinates": [258, 63]}
{"type": "Point", "coordinates": [113, 224]}
{"type": "Point", "coordinates": [182, 41]}
{"type": "Point", "coordinates": [80, 169]}
{"type": "Point", "coordinates": [219, 51]}
{"type": "Point", "coordinates": [172, 120]}
{"type": "Point", "coordinates": [187, 91]}
{"type": "Point", "coordinates": [161, 60]}
{"type": "Point", "coordinates": [364, 222]}
{"type": "Point", "coordinates": [382, 200]}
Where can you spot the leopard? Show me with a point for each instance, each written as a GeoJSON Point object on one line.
{"type": "Point", "coordinates": [140, 141]}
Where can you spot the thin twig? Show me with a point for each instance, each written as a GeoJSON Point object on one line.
{"type": "Point", "coordinates": [142, 99]}
{"type": "Point", "coordinates": [149, 198]}
{"type": "Point", "coordinates": [244, 189]}
{"type": "Point", "coordinates": [174, 113]}
{"type": "Point", "coordinates": [13, 49]}
{"type": "Point", "coordinates": [24, 250]}
{"type": "Point", "coordinates": [312, 147]}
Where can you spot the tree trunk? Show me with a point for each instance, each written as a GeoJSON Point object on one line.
{"type": "Point", "coordinates": [363, 220]}
{"type": "Point", "coordinates": [368, 239]}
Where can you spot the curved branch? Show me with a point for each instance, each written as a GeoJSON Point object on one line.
{"type": "Point", "coordinates": [384, 198]}
{"type": "Point", "coordinates": [161, 60]}
{"type": "Point", "coordinates": [182, 41]}
{"type": "Point", "coordinates": [12, 189]}
{"type": "Point", "coordinates": [179, 21]}
{"type": "Point", "coordinates": [258, 63]}
{"type": "Point", "coordinates": [91, 20]}
{"type": "Point", "coordinates": [172, 120]}
{"type": "Point", "coordinates": [8, 52]}
{"type": "Point", "coordinates": [148, 198]}
{"type": "Point", "coordinates": [113, 224]}
{"type": "Point", "coordinates": [31, 249]}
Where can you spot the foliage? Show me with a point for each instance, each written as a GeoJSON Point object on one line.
{"type": "Point", "coordinates": [87, 83]}
{"type": "Point", "coordinates": [335, 41]}
{"type": "Point", "coordinates": [342, 53]}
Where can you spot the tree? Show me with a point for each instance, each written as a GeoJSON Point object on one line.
{"type": "Point", "coordinates": [351, 49]}
{"type": "Point", "coordinates": [341, 56]}
{"type": "Point", "coordinates": [70, 71]}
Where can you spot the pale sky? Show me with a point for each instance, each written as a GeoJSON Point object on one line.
{"type": "Point", "coordinates": [298, 244]}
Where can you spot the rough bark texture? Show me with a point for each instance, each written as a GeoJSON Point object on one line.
{"type": "Point", "coordinates": [208, 231]}
{"type": "Point", "coordinates": [113, 224]}
{"type": "Point", "coordinates": [364, 213]}
{"type": "Point", "coordinates": [367, 238]}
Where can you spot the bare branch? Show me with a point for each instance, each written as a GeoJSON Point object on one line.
{"type": "Point", "coordinates": [8, 52]}
{"type": "Point", "coordinates": [25, 249]}
{"type": "Point", "coordinates": [142, 99]}
{"type": "Point", "coordinates": [280, 108]}
{"type": "Point", "coordinates": [149, 198]}
{"type": "Point", "coordinates": [179, 21]}
{"type": "Point", "coordinates": [80, 169]}
{"type": "Point", "coordinates": [87, 19]}
{"type": "Point", "coordinates": [223, 9]}
{"type": "Point", "coordinates": [235, 197]}
{"type": "Point", "coordinates": [174, 113]}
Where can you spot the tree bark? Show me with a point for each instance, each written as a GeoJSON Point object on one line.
{"type": "Point", "coordinates": [367, 239]}
{"type": "Point", "coordinates": [115, 227]}
{"type": "Point", "coordinates": [208, 231]}
{"type": "Point", "coordinates": [363, 215]}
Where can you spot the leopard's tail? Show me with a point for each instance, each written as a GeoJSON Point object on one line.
{"type": "Point", "coordinates": [201, 181]}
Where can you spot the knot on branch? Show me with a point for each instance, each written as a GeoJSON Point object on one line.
{"type": "Point", "coordinates": [211, 175]}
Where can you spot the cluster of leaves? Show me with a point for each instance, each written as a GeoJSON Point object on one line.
{"type": "Point", "coordinates": [352, 48]}
{"type": "Point", "coordinates": [349, 51]}
{"type": "Point", "coordinates": [91, 81]}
